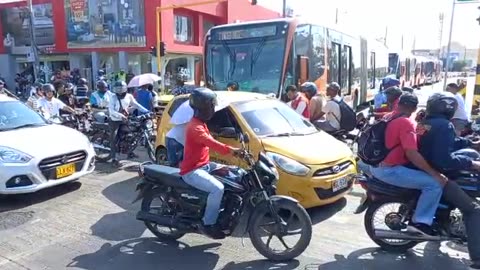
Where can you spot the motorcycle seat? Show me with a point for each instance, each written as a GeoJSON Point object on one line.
{"type": "Point", "coordinates": [168, 176]}
{"type": "Point", "coordinates": [378, 186]}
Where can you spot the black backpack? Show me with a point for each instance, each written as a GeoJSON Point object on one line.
{"type": "Point", "coordinates": [371, 143]}
{"type": "Point", "coordinates": [348, 119]}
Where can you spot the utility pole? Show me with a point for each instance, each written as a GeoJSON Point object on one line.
{"type": "Point", "coordinates": [445, 79]}
{"type": "Point", "coordinates": [441, 18]}
{"type": "Point", "coordinates": [33, 44]}
{"type": "Point", "coordinates": [284, 9]}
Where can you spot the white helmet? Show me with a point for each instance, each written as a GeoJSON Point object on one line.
{"type": "Point", "coordinates": [119, 87]}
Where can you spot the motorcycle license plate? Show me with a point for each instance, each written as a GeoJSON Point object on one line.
{"type": "Point", "coordinates": [339, 184]}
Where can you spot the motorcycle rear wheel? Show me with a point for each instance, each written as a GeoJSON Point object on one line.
{"type": "Point", "coordinates": [286, 211]}
{"type": "Point", "coordinates": [170, 233]}
{"type": "Point", "coordinates": [383, 243]}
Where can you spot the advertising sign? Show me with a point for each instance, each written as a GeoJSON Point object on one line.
{"type": "Point", "coordinates": [105, 23]}
{"type": "Point", "coordinates": [16, 27]}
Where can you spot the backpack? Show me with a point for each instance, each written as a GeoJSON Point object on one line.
{"type": "Point", "coordinates": [348, 119]}
{"type": "Point", "coordinates": [371, 143]}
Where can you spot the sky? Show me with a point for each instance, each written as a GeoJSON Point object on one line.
{"type": "Point", "coordinates": [417, 20]}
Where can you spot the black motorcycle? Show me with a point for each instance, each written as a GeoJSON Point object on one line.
{"type": "Point", "coordinates": [181, 207]}
{"type": "Point", "coordinates": [136, 130]}
{"type": "Point", "coordinates": [389, 209]}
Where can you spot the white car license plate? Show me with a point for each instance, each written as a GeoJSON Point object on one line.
{"type": "Point", "coordinates": [339, 184]}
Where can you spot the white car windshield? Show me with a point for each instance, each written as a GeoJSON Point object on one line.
{"type": "Point", "coordinates": [274, 118]}
{"type": "Point", "coordinates": [15, 115]}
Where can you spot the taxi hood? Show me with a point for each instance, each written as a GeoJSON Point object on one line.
{"type": "Point", "coordinates": [313, 149]}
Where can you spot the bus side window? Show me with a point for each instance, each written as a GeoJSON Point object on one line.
{"type": "Point", "coordinates": [346, 71]}
{"type": "Point", "coordinates": [334, 54]}
{"type": "Point", "coordinates": [317, 61]}
{"type": "Point", "coordinates": [371, 71]}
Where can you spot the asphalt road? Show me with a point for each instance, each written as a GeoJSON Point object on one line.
{"type": "Point", "coordinates": [91, 225]}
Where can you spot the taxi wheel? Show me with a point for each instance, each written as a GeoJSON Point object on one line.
{"type": "Point", "coordinates": [161, 156]}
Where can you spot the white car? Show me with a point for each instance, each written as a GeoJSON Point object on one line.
{"type": "Point", "coordinates": [35, 154]}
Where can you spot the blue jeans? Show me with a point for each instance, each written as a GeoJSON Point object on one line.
{"type": "Point", "coordinates": [408, 178]}
{"type": "Point", "coordinates": [174, 151]}
{"type": "Point", "coordinates": [202, 179]}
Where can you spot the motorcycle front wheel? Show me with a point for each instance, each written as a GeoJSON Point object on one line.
{"type": "Point", "coordinates": [293, 220]}
{"type": "Point", "coordinates": [101, 144]}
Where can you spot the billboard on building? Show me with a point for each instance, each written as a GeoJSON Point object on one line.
{"type": "Point", "coordinates": [105, 23]}
{"type": "Point", "coordinates": [16, 27]}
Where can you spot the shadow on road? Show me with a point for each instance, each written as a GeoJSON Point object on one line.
{"type": "Point", "coordinates": [122, 225]}
{"type": "Point", "coordinates": [149, 253]}
{"type": "Point", "coordinates": [373, 259]}
{"type": "Point", "coordinates": [322, 213]}
{"type": "Point", "coordinates": [17, 202]}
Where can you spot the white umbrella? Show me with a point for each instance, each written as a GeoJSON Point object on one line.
{"type": "Point", "coordinates": [184, 112]}
{"type": "Point", "coordinates": [140, 80]}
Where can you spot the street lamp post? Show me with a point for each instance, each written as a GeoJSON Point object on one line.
{"type": "Point", "coordinates": [33, 46]}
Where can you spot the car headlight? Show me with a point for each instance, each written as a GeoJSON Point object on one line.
{"type": "Point", "coordinates": [289, 165]}
{"type": "Point", "coordinates": [10, 155]}
{"type": "Point", "coordinates": [149, 124]}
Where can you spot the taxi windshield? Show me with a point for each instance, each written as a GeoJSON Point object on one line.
{"type": "Point", "coordinates": [16, 115]}
{"type": "Point", "coordinates": [272, 118]}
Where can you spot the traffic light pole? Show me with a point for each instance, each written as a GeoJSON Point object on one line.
{"type": "Point", "coordinates": [31, 19]}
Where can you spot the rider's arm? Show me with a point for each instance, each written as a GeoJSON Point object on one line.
{"type": "Point", "coordinates": [114, 113]}
{"type": "Point", "coordinates": [301, 107]}
{"type": "Point", "coordinates": [445, 139]}
{"type": "Point", "coordinates": [93, 101]}
{"type": "Point", "coordinates": [204, 137]}
{"type": "Point", "coordinates": [63, 106]}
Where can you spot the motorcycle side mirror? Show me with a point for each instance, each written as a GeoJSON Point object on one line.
{"type": "Point", "coordinates": [227, 132]}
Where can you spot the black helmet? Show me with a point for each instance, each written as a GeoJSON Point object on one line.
{"type": "Point", "coordinates": [119, 87]}
{"type": "Point", "coordinates": [48, 87]}
{"type": "Point", "coordinates": [409, 100]}
{"type": "Point", "coordinates": [101, 84]}
{"type": "Point", "coordinates": [310, 88]}
{"type": "Point", "coordinates": [82, 81]}
{"type": "Point", "coordinates": [407, 89]}
{"type": "Point", "coordinates": [442, 104]}
{"type": "Point", "coordinates": [203, 102]}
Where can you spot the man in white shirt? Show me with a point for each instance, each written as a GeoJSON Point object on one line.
{"type": "Point", "coordinates": [331, 110]}
{"type": "Point", "coordinates": [49, 105]}
{"type": "Point", "coordinates": [460, 118]}
{"type": "Point", "coordinates": [175, 142]}
{"type": "Point", "coordinates": [118, 106]}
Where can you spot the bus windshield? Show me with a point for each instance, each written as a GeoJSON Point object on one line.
{"type": "Point", "coordinates": [256, 64]}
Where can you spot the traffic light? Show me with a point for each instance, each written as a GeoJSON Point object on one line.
{"type": "Point", "coordinates": [153, 51]}
{"type": "Point", "coordinates": [478, 19]}
{"type": "Point", "coordinates": [254, 2]}
{"type": "Point", "coordinates": [163, 48]}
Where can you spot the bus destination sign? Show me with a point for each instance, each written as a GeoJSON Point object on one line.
{"type": "Point", "coordinates": [258, 32]}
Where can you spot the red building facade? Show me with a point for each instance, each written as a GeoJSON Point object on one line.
{"type": "Point", "coordinates": [113, 34]}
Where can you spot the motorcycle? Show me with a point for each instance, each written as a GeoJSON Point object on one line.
{"type": "Point", "coordinates": [398, 205]}
{"type": "Point", "coordinates": [351, 138]}
{"type": "Point", "coordinates": [181, 207]}
{"type": "Point", "coordinates": [137, 130]}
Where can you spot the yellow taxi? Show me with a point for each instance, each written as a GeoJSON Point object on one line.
{"type": "Point", "coordinates": [315, 168]}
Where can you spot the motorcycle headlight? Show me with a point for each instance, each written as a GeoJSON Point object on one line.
{"type": "Point", "coordinates": [10, 155]}
{"type": "Point", "coordinates": [289, 165]}
{"type": "Point", "coordinates": [149, 124]}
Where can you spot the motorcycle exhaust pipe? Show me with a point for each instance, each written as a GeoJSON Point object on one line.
{"type": "Point", "coordinates": [386, 234]}
{"type": "Point", "coordinates": [162, 221]}
{"type": "Point", "coordinates": [101, 147]}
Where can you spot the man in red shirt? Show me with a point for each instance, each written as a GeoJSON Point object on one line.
{"type": "Point", "coordinates": [298, 101]}
{"type": "Point", "coordinates": [196, 164]}
{"type": "Point", "coordinates": [401, 138]}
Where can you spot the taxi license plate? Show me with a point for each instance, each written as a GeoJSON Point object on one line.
{"type": "Point", "coordinates": [65, 170]}
{"type": "Point", "coordinates": [339, 184]}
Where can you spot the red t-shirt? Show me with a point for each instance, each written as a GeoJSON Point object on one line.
{"type": "Point", "coordinates": [198, 141]}
{"type": "Point", "coordinates": [400, 136]}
